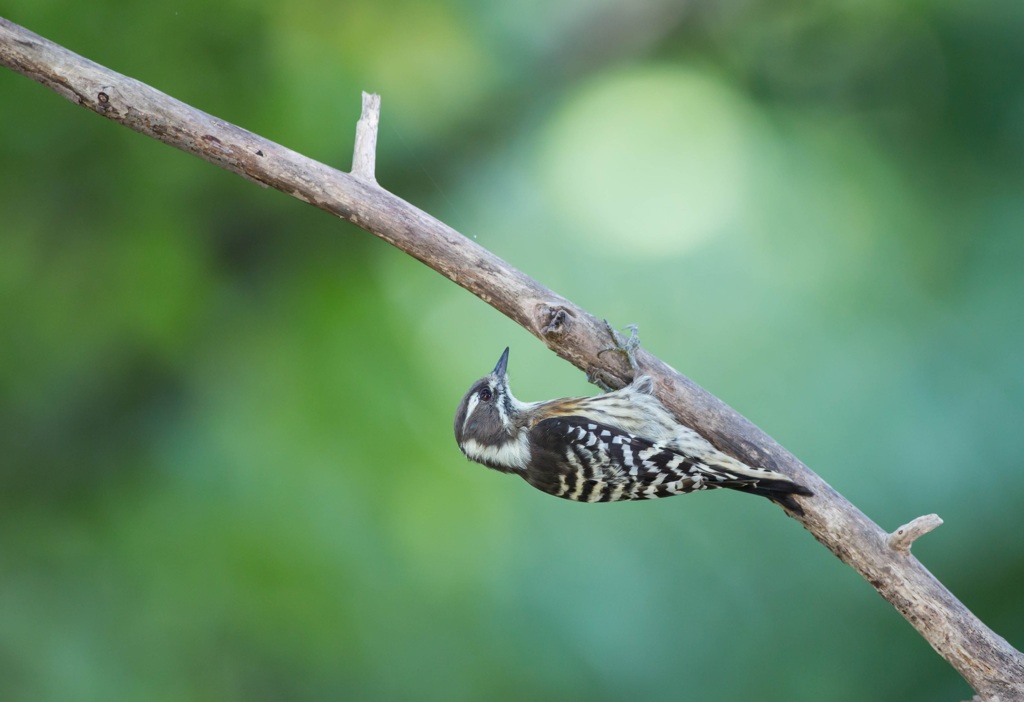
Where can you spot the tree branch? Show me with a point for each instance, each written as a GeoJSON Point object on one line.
{"type": "Point", "coordinates": [989, 664]}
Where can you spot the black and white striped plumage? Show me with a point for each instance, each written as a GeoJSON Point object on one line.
{"type": "Point", "coordinates": [623, 445]}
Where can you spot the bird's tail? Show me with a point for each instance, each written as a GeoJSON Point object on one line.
{"type": "Point", "coordinates": [736, 475]}
{"type": "Point", "coordinates": [780, 492]}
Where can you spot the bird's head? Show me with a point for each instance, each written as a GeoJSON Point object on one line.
{"type": "Point", "coordinates": [486, 425]}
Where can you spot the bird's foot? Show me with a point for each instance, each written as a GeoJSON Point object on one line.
{"type": "Point", "coordinates": [625, 346]}
{"type": "Point", "coordinates": [597, 378]}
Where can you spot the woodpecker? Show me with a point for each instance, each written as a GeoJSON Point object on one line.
{"type": "Point", "coordinates": [622, 445]}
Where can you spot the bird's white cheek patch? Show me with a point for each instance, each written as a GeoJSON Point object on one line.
{"type": "Point", "coordinates": [473, 402]}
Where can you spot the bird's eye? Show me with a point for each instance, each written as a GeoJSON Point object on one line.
{"type": "Point", "coordinates": [485, 394]}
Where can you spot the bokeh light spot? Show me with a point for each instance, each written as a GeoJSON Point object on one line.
{"type": "Point", "coordinates": [648, 161]}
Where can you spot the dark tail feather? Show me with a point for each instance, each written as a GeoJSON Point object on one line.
{"type": "Point", "coordinates": [780, 492]}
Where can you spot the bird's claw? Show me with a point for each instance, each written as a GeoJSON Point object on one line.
{"type": "Point", "coordinates": [627, 347]}
{"type": "Point", "coordinates": [597, 378]}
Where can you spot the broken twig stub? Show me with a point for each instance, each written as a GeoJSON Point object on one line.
{"type": "Point", "coordinates": [901, 539]}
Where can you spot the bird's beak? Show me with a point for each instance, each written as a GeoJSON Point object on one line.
{"type": "Point", "coordinates": [501, 369]}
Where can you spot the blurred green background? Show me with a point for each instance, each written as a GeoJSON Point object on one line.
{"type": "Point", "coordinates": [227, 469]}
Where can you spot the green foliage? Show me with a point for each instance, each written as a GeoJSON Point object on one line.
{"type": "Point", "coordinates": [226, 462]}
